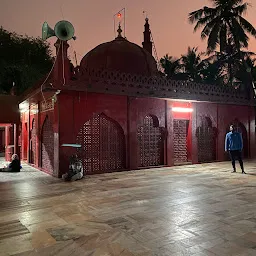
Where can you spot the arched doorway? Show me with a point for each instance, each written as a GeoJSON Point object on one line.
{"type": "Point", "coordinates": [2, 140]}
{"type": "Point", "coordinates": [32, 144]}
{"type": "Point", "coordinates": [206, 141]}
{"type": "Point", "coordinates": [239, 127]}
{"type": "Point", "coordinates": [25, 142]}
{"type": "Point", "coordinates": [150, 142]}
{"type": "Point", "coordinates": [47, 146]}
{"type": "Point", "coordinates": [103, 145]}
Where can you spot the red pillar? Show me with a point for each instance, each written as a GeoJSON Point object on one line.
{"type": "Point", "coordinates": [8, 143]}
{"type": "Point", "coordinates": [194, 138]}
{"type": "Point", "coordinates": [16, 139]}
{"type": "Point", "coordinates": [169, 127]}
{"type": "Point", "coordinates": [56, 164]}
{"type": "Point", "coordinates": [2, 140]}
{"type": "Point", "coordinates": [252, 137]}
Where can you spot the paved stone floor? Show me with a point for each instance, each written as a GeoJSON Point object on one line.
{"type": "Point", "coordinates": [185, 210]}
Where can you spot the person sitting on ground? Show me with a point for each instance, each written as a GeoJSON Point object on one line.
{"type": "Point", "coordinates": [14, 166]}
{"type": "Point", "coordinates": [75, 171]}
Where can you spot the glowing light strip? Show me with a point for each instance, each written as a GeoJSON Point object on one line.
{"type": "Point", "coordinates": [183, 110]}
{"type": "Point", "coordinates": [72, 145]}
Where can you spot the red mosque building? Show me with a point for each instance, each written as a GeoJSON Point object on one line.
{"type": "Point", "coordinates": [125, 115]}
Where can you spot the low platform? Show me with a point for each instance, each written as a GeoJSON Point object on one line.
{"type": "Point", "coordinates": [183, 210]}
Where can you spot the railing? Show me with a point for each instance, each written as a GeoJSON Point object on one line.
{"type": "Point", "coordinates": [135, 85]}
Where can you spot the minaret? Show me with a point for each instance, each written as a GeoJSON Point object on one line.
{"type": "Point", "coordinates": [147, 44]}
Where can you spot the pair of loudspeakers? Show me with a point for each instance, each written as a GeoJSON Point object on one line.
{"type": "Point", "coordinates": [63, 30]}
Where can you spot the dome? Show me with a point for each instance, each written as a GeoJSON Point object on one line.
{"type": "Point", "coordinates": [120, 55]}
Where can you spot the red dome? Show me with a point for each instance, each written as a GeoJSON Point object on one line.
{"type": "Point", "coordinates": [120, 55]}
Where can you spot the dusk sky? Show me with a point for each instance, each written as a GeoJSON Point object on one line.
{"type": "Point", "coordinates": [93, 21]}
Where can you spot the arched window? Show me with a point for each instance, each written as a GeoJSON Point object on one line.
{"type": "Point", "coordinates": [206, 141]}
{"type": "Point", "coordinates": [103, 145]}
{"type": "Point", "coordinates": [150, 142]}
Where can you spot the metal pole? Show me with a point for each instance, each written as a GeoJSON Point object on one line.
{"type": "Point", "coordinates": [124, 22]}
{"type": "Point", "coordinates": [115, 21]}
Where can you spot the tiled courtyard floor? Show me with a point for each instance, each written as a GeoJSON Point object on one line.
{"type": "Point", "coordinates": [186, 210]}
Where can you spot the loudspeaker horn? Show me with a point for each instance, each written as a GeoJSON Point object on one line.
{"type": "Point", "coordinates": [47, 31]}
{"type": "Point", "coordinates": [64, 30]}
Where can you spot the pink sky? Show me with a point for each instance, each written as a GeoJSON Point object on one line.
{"type": "Point", "coordinates": [93, 21]}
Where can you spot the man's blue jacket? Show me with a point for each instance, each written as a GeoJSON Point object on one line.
{"type": "Point", "coordinates": [233, 141]}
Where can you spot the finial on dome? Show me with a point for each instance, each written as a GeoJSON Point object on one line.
{"type": "Point", "coordinates": [119, 31]}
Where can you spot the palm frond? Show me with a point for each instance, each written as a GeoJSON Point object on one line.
{"type": "Point", "coordinates": [223, 37]}
{"type": "Point", "coordinates": [202, 21]}
{"type": "Point", "coordinates": [240, 37]}
{"type": "Point", "coordinates": [241, 9]}
{"type": "Point", "coordinates": [201, 13]}
{"type": "Point", "coordinates": [208, 27]}
{"type": "Point", "coordinates": [247, 26]}
{"type": "Point", "coordinates": [195, 15]}
{"type": "Point", "coordinates": [213, 39]}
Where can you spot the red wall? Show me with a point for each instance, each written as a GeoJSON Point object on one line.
{"type": "Point", "coordinates": [39, 117]}
{"type": "Point", "coordinates": [77, 108]}
{"type": "Point", "coordinates": [73, 109]}
{"type": "Point", "coordinates": [138, 108]}
{"type": "Point", "coordinates": [182, 116]}
{"type": "Point", "coordinates": [2, 140]}
{"type": "Point", "coordinates": [25, 136]}
{"type": "Point", "coordinates": [222, 116]}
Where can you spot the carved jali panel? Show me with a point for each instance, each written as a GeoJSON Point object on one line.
{"type": "Point", "coordinates": [33, 143]}
{"type": "Point", "coordinates": [47, 148]}
{"type": "Point", "coordinates": [150, 143]}
{"type": "Point", "coordinates": [180, 130]}
{"type": "Point", "coordinates": [106, 81]}
{"type": "Point", "coordinates": [103, 145]}
{"type": "Point", "coordinates": [206, 141]}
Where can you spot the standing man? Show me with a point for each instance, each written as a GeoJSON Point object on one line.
{"type": "Point", "coordinates": [234, 145]}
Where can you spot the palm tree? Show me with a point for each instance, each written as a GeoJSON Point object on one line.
{"type": "Point", "coordinates": [230, 63]}
{"type": "Point", "coordinates": [171, 66]}
{"type": "Point", "coordinates": [212, 73]}
{"type": "Point", "coordinates": [192, 65]}
{"type": "Point", "coordinates": [241, 75]}
{"type": "Point", "coordinates": [223, 23]}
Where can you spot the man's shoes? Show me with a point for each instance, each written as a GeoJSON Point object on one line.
{"type": "Point", "coordinates": [233, 171]}
{"type": "Point", "coordinates": [243, 172]}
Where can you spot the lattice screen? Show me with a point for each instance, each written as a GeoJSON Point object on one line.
{"type": "Point", "coordinates": [47, 147]}
{"type": "Point", "coordinates": [150, 143]}
{"type": "Point", "coordinates": [33, 143]}
{"type": "Point", "coordinates": [180, 129]}
{"type": "Point", "coordinates": [103, 145]}
{"type": "Point", "coordinates": [206, 141]}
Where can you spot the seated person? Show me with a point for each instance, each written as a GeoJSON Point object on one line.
{"type": "Point", "coordinates": [14, 166]}
{"type": "Point", "coordinates": [75, 170]}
